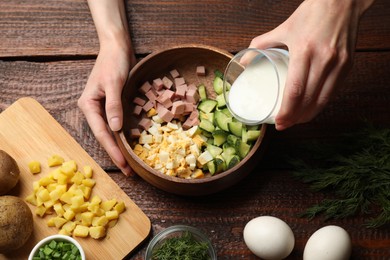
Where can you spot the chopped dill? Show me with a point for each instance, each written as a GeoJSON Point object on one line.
{"type": "Point", "coordinates": [356, 171]}
{"type": "Point", "coordinates": [184, 247]}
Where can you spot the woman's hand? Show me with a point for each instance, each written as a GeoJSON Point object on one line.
{"type": "Point", "coordinates": [320, 36]}
{"type": "Point", "coordinates": [101, 99]}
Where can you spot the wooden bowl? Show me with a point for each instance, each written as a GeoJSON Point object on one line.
{"type": "Point", "coordinates": [184, 58]}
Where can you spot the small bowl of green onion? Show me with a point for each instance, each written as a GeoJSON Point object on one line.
{"type": "Point", "coordinates": [180, 242]}
{"type": "Point", "coordinates": [57, 247]}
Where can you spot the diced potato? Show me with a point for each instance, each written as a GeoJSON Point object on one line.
{"type": "Point", "coordinates": [81, 231]}
{"type": "Point", "coordinates": [66, 192]}
{"type": "Point", "coordinates": [77, 201]}
{"type": "Point", "coordinates": [86, 218]}
{"type": "Point", "coordinates": [69, 214]}
{"type": "Point", "coordinates": [67, 197]}
{"type": "Point", "coordinates": [87, 171]}
{"type": "Point", "coordinates": [89, 182]}
{"type": "Point", "coordinates": [40, 211]}
{"type": "Point", "coordinates": [55, 160]}
{"type": "Point", "coordinates": [44, 181]}
{"type": "Point", "coordinates": [108, 205]}
{"type": "Point", "coordinates": [69, 226]}
{"type": "Point", "coordinates": [31, 199]}
{"type": "Point", "coordinates": [59, 209]}
{"type": "Point", "coordinates": [97, 232]}
{"type": "Point", "coordinates": [120, 207]}
{"type": "Point", "coordinates": [112, 214]}
{"type": "Point", "coordinates": [77, 178]}
{"type": "Point", "coordinates": [86, 191]}
{"type": "Point", "coordinates": [99, 221]}
{"type": "Point", "coordinates": [44, 195]}
{"type": "Point", "coordinates": [59, 222]}
{"type": "Point", "coordinates": [35, 167]}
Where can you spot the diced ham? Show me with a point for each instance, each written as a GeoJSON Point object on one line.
{"type": "Point", "coordinates": [181, 91]}
{"type": "Point", "coordinates": [145, 87]}
{"type": "Point", "coordinates": [158, 84]}
{"type": "Point", "coordinates": [178, 108]}
{"type": "Point", "coordinates": [151, 95]}
{"type": "Point", "coordinates": [189, 107]}
{"type": "Point", "coordinates": [194, 114]}
{"type": "Point", "coordinates": [174, 73]}
{"type": "Point", "coordinates": [167, 103]}
{"type": "Point", "coordinates": [200, 71]}
{"type": "Point", "coordinates": [164, 113]}
{"type": "Point", "coordinates": [190, 122]}
{"type": "Point", "coordinates": [149, 105]}
{"type": "Point", "coordinates": [135, 133]}
{"type": "Point", "coordinates": [137, 110]}
{"type": "Point", "coordinates": [192, 86]}
{"type": "Point", "coordinates": [139, 101]}
{"type": "Point", "coordinates": [179, 81]}
{"type": "Point", "coordinates": [145, 123]}
{"type": "Point", "coordinates": [192, 95]}
{"type": "Point", "coordinates": [167, 82]}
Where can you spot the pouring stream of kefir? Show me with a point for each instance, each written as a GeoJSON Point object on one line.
{"type": "Point", "coordinates": [256, 94]}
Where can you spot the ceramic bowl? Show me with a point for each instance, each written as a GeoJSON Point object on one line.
{"type": "Point", "coordinates": [179, 231]}
{"type": "Point", "coordinates": [57, 238]}
{"type": "Point", "coordinates": [185, 59]}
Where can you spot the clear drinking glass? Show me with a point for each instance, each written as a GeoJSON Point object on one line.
{"type": "Point", "coordinates": [254, 82]}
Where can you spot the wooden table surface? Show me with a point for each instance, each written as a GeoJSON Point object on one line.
{"type": "Point", "coordinates": [48, 48]}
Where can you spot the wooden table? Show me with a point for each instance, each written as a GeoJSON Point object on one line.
{"type": "Point", "coordinates": [48, 48]}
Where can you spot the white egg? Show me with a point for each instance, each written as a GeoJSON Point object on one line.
{"type": "Point", "coordinates": [328, 243]}
{"type": "Point", "coordinates": [269, 237]}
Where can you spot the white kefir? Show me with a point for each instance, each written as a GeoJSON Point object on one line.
{"type": "Point", "coordinates": [256, 94]}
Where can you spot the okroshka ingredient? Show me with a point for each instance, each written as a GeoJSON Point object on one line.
{"type": "Point", "coordinates": [269, 238]}
{"type": "Point", "coordinates": [9, 172]}
{"type": "Point", "coordinates": [329, 242]}
{"type": "Point", "coordinates": [16, 223]}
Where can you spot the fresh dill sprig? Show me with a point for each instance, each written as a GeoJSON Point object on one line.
{"type": "Point", "coordinates": [184, 247]}
{"type": "Point", "coordinates": [356, 171]}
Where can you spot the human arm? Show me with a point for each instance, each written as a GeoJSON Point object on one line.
{"type": "Point", "coordinates": [101, 98]}
{"type": "Point", "coordinates": [321, 37]}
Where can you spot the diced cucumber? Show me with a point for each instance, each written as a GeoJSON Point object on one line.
{"type": "Point", "coordinates": [232, 140]}
{"type": "Point", "coordinates": [233, 161]}
{"type": "Point", "coordinates": [207, 105]}
{"type": "Point", "coordinates": [208, 116]}
{"type": "Point", "coordinates": [222, 120]}
{"type": "Point", "coordinates": [214, 150]}
{"type": "Point", "coordinates": [253, 127]}
{"type": "Point", "coordinates": [228, 153]}
{"type": "Point", "coordinates": [252, 135]}
{"type": "Point", "coordinates": [202, 92]}
{"type": "Point", "coordinates": [220, 101]}
{"type": "Point", "coordinates": [218, 85]}
{"type": "Point", "coordinates": [235, 128]}
{"type": "Point", "coordinates": [244, 135]}
{"type": "Point", "coordinates": [210, 141]}
{"type": "Point", "coordinates": [219, 137]}
{"type": "Point", "coordinates": [227, 112]}
{"type": "Point", "coordinates": [242, 148]}
{"type": "Point", "coordinates": [211, 167]}
{"type": "Point", "coordinates": [205, 157]}
{"type": "Point", "coordinates": [220, 165]}
{"type": "Point", "coordinates": [206, 125]}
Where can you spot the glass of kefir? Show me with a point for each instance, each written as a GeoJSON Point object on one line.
{"type": "Point", "coordinates": [254, 82]}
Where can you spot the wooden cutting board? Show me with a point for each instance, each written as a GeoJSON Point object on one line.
{"type": "Point", "coordinates": [28, 132]}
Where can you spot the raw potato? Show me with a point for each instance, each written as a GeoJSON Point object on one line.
{"type": "Point", "coordinates": [16, 223]}
{"type": "Point", "coordinates": [9, 172]}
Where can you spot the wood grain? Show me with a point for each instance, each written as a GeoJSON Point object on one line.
{"type": "Point", "coordinates": [28, 132]}
{"type": "Point", "coordinates": [65, 28]}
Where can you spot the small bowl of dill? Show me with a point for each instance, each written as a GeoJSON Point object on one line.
{"type": "Point", "coordinates": [180, 242]}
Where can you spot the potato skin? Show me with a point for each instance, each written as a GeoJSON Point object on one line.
{"type": "Point", "coordinates": [16, 223]}
{"type": "Point", "coordinates": [9, 172]}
